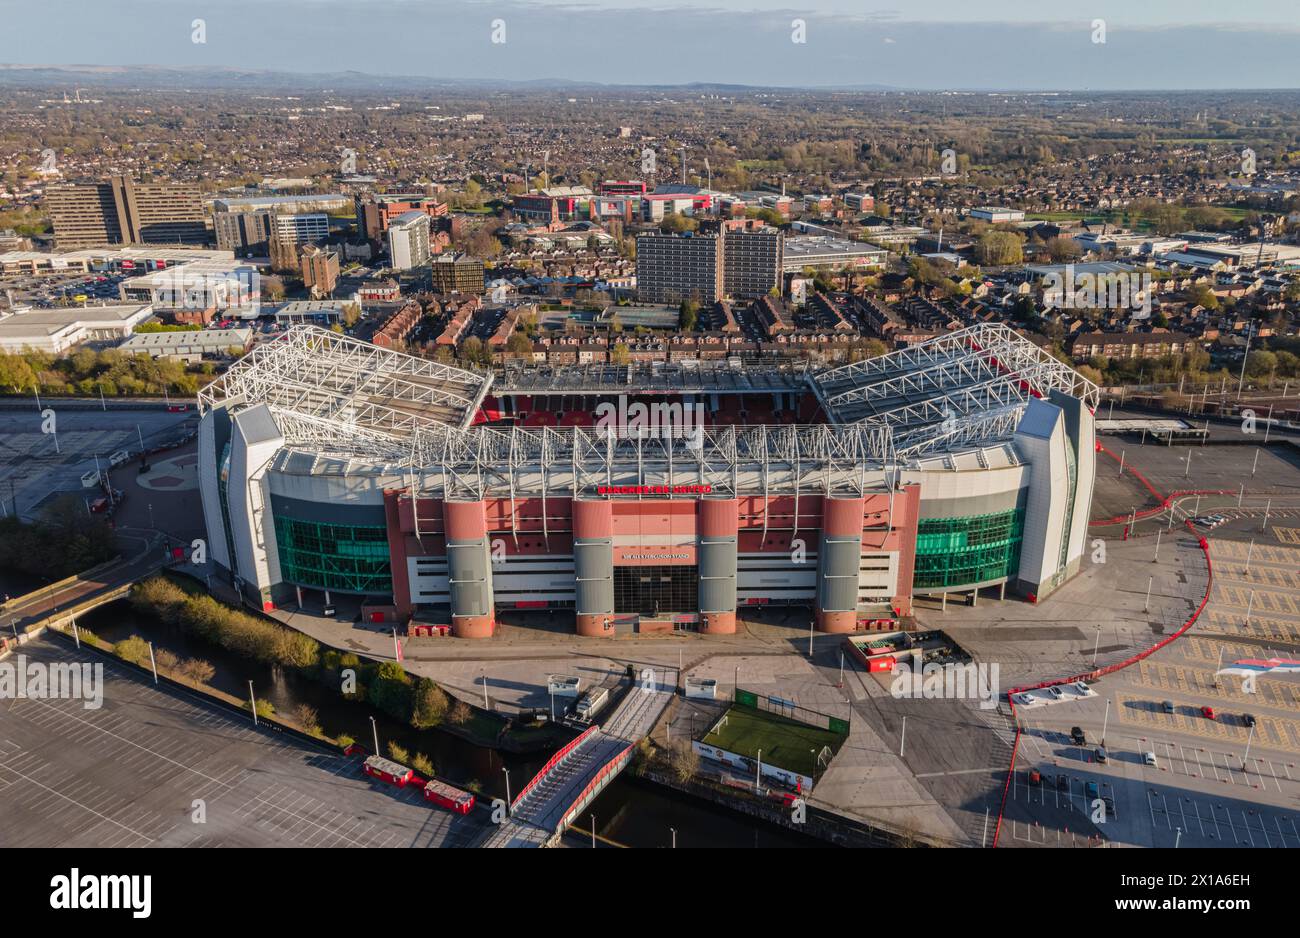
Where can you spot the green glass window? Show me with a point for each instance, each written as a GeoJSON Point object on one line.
{"type": "Point", "coordinates": [974, 549]}
{"type": "Point", "coordinates": [349, 558]}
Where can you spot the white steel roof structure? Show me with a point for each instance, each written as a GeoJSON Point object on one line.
{"type": "Point", "coordinates": [317, 373]}
{"type": "Point", "coordinates": [984, 369]}
{"type": "Point", "coordinates": [345, 406]}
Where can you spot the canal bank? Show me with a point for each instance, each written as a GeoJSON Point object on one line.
{"type": "Point", "coordinates": [630, 812]}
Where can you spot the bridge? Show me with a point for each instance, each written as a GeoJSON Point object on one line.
{"type": "Point", "coordinates": [77, 595]}
{"type": "Point", "coordinates": [573, 778]}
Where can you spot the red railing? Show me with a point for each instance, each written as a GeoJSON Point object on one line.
{"type": "Point", "coordinates": [1204, 544]}
{"type": "Point", "coordinates": [611, 767]}
{"type": "Point", "coordinates": [1164, 500]}
{"type": "Point", "coordinates": [555, 760]}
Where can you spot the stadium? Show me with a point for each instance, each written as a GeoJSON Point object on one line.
{"type": "Point", "coordinates": [649, 496]}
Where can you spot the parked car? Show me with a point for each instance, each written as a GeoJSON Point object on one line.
{"type": "Point", "coordinates": [1092, 790]}
{"type": "Point", "coordinates": [1168, 706]}
{"type": "Point", "coordinates": [1077, 736]}
{"type": "Point", "coordinates": [1100, 754]}
{"type": "Point", "coordinates": [119, 457]}
{"type": "Point", "coordinates": [1149, 758]}
{"type": "Point", "coordinates": [1082, 688]}
{"type": "Point", "coordinates": [1208, 713]}
{"type": "Point", "coordinates": [90, 479]}
{"type": "Point", "coordinates": [1248, 719]}
{"type": "Point", "coordinates": [1035, 777]}
{"type": "Point", "coordinates": [1055, 692]}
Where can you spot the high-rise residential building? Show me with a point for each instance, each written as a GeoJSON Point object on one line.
{"type": "Point", "coordinates": [670, 269]}
{"type": "Point", "coordinates": [408, 240]}
{"type": "Point", "coordinates": [457, 273]}
{"type": "Point", "coordinates": [752, 262]}
{"type": "Point", "coordinates": [320, 269]}
{"type": "Point", "coordinates": [122, 211]}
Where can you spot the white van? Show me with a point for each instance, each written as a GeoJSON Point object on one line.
{"type": "Point", "coordinates": [118, 458]}
{"type": "Point", "coordinates": [90, 479]}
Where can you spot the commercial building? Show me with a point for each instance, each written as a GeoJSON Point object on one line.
{"type": "Point", "coordinates": [556, 204]}
{"type": "Point", "coordinates": [190, 346]}
{"type": "Point", "coordinates": [408, 241]}
{"type": "Point", "coordinates": [376, 212]}
{"type": "Point", "coordinates": [122, 211]}
{"type": "Point", "coordinates": [438, 495]}
{"type": "Point", "coordinates": [996, 214]}
{"type": "Point", "coordinates": [830, 252]}
{"type": "Point", "coordinates": [456, 273]}
{"type": "Point", "coordinates": [57, 330]}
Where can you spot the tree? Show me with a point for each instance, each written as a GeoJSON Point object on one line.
{"type": "Point", "coordinates": [999, 248]}
{"type": "Point", "coordinates": [683, 760]}
{"type": "Point", "coordinates": [689, 315]}
{"type": "Point", "coordinates": [390, 690]}
{"type": "Point", "coordinates": [1260, 363]}
{"type": "Point", "coordinates": [430, 704]}
{"type": "Point", "coordinates": [619, 354]}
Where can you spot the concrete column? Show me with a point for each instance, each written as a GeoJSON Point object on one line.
{"type": "Point", "coordinates": [839, 564]}
{"type": "Point", "coordinates": [718, 524]}
{"type": "Point", "coordinates": [469, 569]}
{"type": "Point", "coordinates": [593, 566]}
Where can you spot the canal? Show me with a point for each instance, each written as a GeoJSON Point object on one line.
{"type": "Point", "coordinates": [630, 812]}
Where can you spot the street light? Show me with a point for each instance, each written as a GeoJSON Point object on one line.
{"type": "Point", "coordinates": [508, 806]}
{"type": "Point", "coordinates": [374, 728]}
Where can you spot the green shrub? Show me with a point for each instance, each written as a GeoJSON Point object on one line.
{"type": "Point", "coordinates": [134, 649]}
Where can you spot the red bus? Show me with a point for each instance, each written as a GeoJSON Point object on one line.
{"type": "Point", "coordinates": [447, 796]}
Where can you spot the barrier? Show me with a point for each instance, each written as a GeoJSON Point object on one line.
{"type": "Point", "coordinates": [1204, 545]}
{"type": "Point", "coordinates": [594, 787]}
{"type": "Point", "coordinates": [1164, 500]}
{"type": "Point", "coordinates": [555, 760]}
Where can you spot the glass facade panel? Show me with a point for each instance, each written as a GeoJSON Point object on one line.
{"type": "Point", "coordinates": [349, 558]}
{"type": "Point", "coordinates": [974, 549]}
{"type": "Point", "coordinates": [649, 591]}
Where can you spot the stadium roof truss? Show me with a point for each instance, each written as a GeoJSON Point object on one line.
{"type": "Point", "coordinates": [983, 370]}
{"type": "Point", "coordinates": [344, 404]}
{"type": "Point", "coordinates": [318, 373]}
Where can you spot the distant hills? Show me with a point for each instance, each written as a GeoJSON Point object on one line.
{"type": "Point", "coordinates": [165, 77]}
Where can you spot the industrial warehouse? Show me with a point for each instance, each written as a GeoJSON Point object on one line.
{"type": "Point", "coordinates": [646, 498]}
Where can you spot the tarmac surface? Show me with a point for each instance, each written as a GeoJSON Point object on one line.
{"type": "Point", "coordinates": [158, 766]}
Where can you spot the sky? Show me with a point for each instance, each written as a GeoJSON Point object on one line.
{"type": "Point", "coordinates": [936, 44]}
